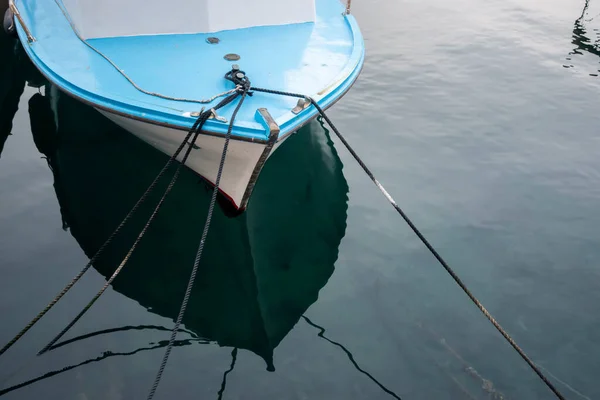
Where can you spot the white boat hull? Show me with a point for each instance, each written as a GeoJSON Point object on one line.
{"type": "Point", "coordinates": [243, 162]}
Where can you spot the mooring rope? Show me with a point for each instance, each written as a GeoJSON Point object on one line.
{"type": "Point", "coordinates": [241, 80]}
{"type": "Point", "coordinates": [194, 130]}
{"type": "Point", "coordinates": [204, 116]}
{"type": "Point", "coordinates": [104, 246]}
{"type": "Point", "coordinates": [423, 239]}
{"type": "Point", "coordinates": [243, 88]}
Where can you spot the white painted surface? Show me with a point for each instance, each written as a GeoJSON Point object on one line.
{"type": "Point", "coordinates": [241, 159]}
{"type": "Point", "coordinates": [110, 18]}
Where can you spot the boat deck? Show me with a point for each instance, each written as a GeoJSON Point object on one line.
{"type": "Point", "coordinates": [321, 60]}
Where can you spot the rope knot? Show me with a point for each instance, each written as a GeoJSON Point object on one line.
{"type": "Point", "coordinates": [240, 79]}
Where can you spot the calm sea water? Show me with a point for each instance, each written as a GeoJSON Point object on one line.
{"type": "Point", "coordinates": [480, 118]}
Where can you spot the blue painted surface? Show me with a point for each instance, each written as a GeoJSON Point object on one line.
{"type": "Point", "coordinates": [320, 59]}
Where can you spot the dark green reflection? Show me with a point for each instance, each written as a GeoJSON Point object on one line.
{"type": "Point", "coordinates": [12, 83]}
{"type": "Point", "coordinates": [260, 271]}
{"type": "Point", "coordinates": [581, 39]}
{"type": "Point", "coordinates": [15, 71]}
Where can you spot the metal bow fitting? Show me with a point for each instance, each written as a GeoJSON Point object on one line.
{"type": "Point", "coordinates": [13, 8]}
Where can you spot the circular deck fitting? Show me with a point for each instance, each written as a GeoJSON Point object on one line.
{"type": "Point", "coordinates": [232, 57]}
{"type": "Point", "coordinates": [213, 40]}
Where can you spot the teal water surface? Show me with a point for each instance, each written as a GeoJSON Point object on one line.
{"type": "Point", "coordinates": [481, 120]}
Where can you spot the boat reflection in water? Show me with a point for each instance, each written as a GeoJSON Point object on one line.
{"type": "Point", "coordinates": [12, 83]}
{"type": "Point", "coordinates": [260, 271]}
{"type": "Point", "coordinates": [15, 72]}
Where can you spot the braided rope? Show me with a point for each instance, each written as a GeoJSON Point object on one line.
{"type": "Point", "coordinates": [195, 131]}
{"type": "Point", "coordinates": [433, 251]}
{"type": "Point", "coordinates": [100, 250]}
{"type": "Point", "coordinates": [192, 279]}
